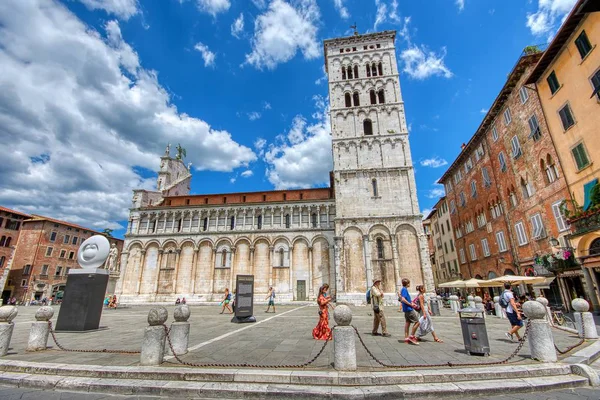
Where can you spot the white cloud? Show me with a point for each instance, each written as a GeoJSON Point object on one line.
{"type": "Point", "coordinates": [283, 30]}
{"type": "Point", "coordinates": [267, 105]}
{"type": "Point", "coordinates": [386, 12]}
{"type": "Point", "coordinates": [247, 173]}
{"type": "Point", "coordinates": [232, 180]}
{"type": "Point", "coordinates": [421, 63]}
{"type": "Point", "coordinates": [86, 122]}
{"type": "Point", "coordinates": [302, 157]}
{"type": "Point", "coordinates": [425, 212]}
{"type": "Point", "coordinates": [483, 110]}
{"type": "Point", "coordinates": [213, 7]}
{"type": "Point", "coordinates": [238, 26]}
{"type": "Point", "coordinates": [436, 192]}
{"type": "Point", "coordinates": [207, 55]}
{"type": "Point", "coordinates": [323, 77]}
{"type": "Point", "coordinates": [254, 115]}
{"type": "Point", "coordinates": [124, 9]}
{"type": "Point", "coordinates": [339, 6]}
{"type": "Point", "coordinates": [260, 4]}
{"type": "Point", "coordinates": [544, 20]}
{"type": "Point", "coordinates": [460, 4]}
{"type": "Point", "coordinates": [434, 162]}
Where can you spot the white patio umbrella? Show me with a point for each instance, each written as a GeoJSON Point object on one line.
{"type": "Point", "coordinates": [469, 283]}
{"type": "Point", "coordinates": [450, 284]}
{"type": "Point", "coordinates": [514, 280]}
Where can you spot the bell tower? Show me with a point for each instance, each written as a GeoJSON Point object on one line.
{"type": "Point", "coordinates": [378, 222]}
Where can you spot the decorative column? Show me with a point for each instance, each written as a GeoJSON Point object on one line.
{"type": "Point", "coordinates": [338, 258]}
{"type": "Point", "coordinates": [122, 267]}
{"type": "Point", "coordinates": [252, 259]}
{"type": "Point", "coordinates": [137, 225]}
{"type": "Point", "coordinates": [367, 260]}
{"type": "Point", "coordinates": [177, 259]}
{"type": "Point", "coordinates": [310, 272]}
{"type": "Point", "coordinates": [396, 261]}
{"type": "Point", "coordinates": [327, 210]}
{"type": "Point", "coordinates": [213, 256]}
{"type": "Point", "coordinates": [271, 249]}
{"type": "Point", "coordinates": [158, 268]}
{"type": "Point", "coordinates": [142, 262]}
{"type": "Point", "coordinates": [291, 277]}
{"type": "Point", "coordinates": [232, 270]}
{"type": "Point", "coordinates": [194, 268]}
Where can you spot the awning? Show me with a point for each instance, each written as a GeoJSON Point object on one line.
{"type": "Point", "coordinates": [545, 284]}
{"type": "Point", "coordinates": [587, 192]}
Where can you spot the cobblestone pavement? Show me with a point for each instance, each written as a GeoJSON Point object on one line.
{"type": "Point", "coordinates": [281, 338]}
{"type": "Point", "coordinates": [36, 394]}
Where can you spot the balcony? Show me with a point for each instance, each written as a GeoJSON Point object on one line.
{"type": "Point", "coordinates": [587, 221]}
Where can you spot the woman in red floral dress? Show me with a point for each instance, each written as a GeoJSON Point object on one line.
{"type": "Point", "coordinates": [322, 330]}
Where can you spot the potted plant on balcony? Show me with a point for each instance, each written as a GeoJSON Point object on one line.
{"type": "Point", "coordinates": [558, 261]}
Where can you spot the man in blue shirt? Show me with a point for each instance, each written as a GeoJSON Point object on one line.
{"type": "Point", "coordinates": [410, 315]}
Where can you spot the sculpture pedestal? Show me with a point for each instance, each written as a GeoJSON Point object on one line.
{"type": "Point", "coordinates": [82, 304]}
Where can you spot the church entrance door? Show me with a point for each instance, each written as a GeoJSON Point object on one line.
{"type": "Point", "coordinates": [301, 290]}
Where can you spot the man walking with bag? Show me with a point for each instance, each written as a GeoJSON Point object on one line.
{"type": "Point", "coordinates": [410, 315]}
{"type": "Point", "coordinates": [378, 315]}
{"type": "Point", "coordinates": [507, 300]}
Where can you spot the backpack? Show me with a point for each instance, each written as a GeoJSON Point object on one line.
{"type": "Point", "coordinates": [369, 296]}
{"type": "Point", "coordinates": [416, 304]}
{"type": "Point", "coordinates": [229, 296]}
{"type": "Point", "coordinates": [273, 294]}
{"type": "Point", "coordinates": [502, 301]}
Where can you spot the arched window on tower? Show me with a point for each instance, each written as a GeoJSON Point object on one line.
{"type": "Point", "coordinates": [368, 68]}
{"type": "Point", "coordinates": [381, 96]}
{"type": "Point", "coordinates": [356, 99]}
{"type": "Point", "coordinates": [373, 69]}
{"type": "Point", "coordinates": [380, 253]}
{"type": "Point", "coordinates": [287, 220]}
{"type": "Point", "coordinates": [380, 69]}
{"type": "Point", "coordinates": [368, 127]}
{"type": "Point", "coordinates": [344, 73]}
{"type": "Point", "coordinates": [259, 222]}
{"type": "Point", "coordinates": [375, 191]}
{"type": "Point", "coordinates": [373, 96]}
{"type": "Point", "coordinates": [348, 99]}
{"type": "Point", "coordinates": [350, 72]}
{"type": "Point", "coordinates": [205, 224]}
{"type": "Point", "coordinates": [281, 257]}
{"type": "Point", "coordinates": [356, 72]}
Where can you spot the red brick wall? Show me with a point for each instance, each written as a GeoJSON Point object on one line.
{"type": "Point", "coordinates": [6, 245]}
{"type": "Point", "coordinates": [255, 197]}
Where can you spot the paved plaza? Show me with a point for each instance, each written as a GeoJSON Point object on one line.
{"type": "Point", "coordinates": [281, 338]}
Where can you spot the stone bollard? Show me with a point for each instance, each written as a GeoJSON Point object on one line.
{"type": "Point", "coordinates": [479, 303]}
{"type": "Point", "coordinates": [544, 301]}
{"type": "Point", "coordinates": [584, 319]}
{"type": "Point", "coordinates": [344, 347]}
{"type": "Point", "coordinates": [180, 331]}
{"type": "Point", "coordinates": [153, 346]}
{"type": "Point", "coordinates": [7, 314]}
{"type": "Point", "coordinates": [38, 334]}
{"type": "Point", "coordinates": [541, 341]}
{"type": "Point", "coordinates": [454, 303]}
{"type": "Point", "coordinates": [471, 301]}
{"type": "Point", "coordinates": [497, 307]}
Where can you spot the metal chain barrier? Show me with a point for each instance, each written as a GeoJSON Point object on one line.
{"type": "Point", "coordinates": [448, 364]}
{"type": "Point", "coordinates": [88, 350]}
{"type": "Point", "coordinates": [582, 341]}
{"type": "Point", "coordinates": [243, 365]}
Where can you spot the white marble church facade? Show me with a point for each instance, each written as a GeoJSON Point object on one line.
{"type": "Point", "coordinates": [366, 226]}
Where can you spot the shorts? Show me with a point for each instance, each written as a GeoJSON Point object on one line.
{"type": "Point", "coordinates": [411, 316]}
{"type": "Point", "coordinates": [514, 320]}
{"type": "Point", "coordinates": [227, 301]}
{"type": "Point", "coordinates": [272, 302]}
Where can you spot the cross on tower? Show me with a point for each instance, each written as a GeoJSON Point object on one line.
{"type": "Point", "coordinates": [354, 27]}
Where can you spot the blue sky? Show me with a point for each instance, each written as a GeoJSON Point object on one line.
{"type": "Point", "coordinates": [93, 90]}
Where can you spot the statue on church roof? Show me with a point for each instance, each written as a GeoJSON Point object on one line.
{"type": "Point", "coordinates": [189, 166]}
{"type": "Point", "coordinates": [168, 150]}
{"type": "Point", "coordinates": [180, 152]}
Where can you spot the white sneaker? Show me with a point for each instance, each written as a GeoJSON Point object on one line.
{"type": "Point", "coordinates": [509, 336]}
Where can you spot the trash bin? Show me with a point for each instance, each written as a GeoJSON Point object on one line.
{"type": "Point", "coordinates": [434, 306]}
{"type": "Point", "coordinates": [472, 323]}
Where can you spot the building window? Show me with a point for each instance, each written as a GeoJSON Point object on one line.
{"type": "Point", "coordinates": [74, 241]}
{"type": "Point", "coordinates": [537, 227]}
{"type": "Point", "coordinates": [63, 254]}
{"type": "Point", "coordinates": [452, 207]}
{"type": "Point", "coordinates": [66, 239]}
{"type": "Point", "coordinates": [595, 80]}
{"type": "Point", "coordinates": [368, 70]}
{"type": "Point", "coordinates": [380, 253]}
{"type": "Point", "coordinates": [375, 191]}
{"type": "Point", "coordinates": [526, 188]}
{"type": "Point", "coordinates": [259, 222]}
{"type": "Point", "coordinates": [473, 252]}
{"type": "Point", "coordinates": [468, 165]}
{"type": "Point", "coordinates": [313, 220]}
{"type": "Point", "coordinates": [487, 182]}
{"type": "Point", "coordinates": [53, 236]}
{"type": "Point", "coordinates": [356, 72]}
{"type": "Point", "coordinates": [553, 82]}
{"type": "Point", "coordinates": [523, 94]}
{"type": "Point", "coordinates": [380, 68]}
{"type": "Point", "coordinates": [348, 99]}
{"type": "Point", "coordinates": [224, 200]}
{"type": "Point", "coordinates": [566, 117]}
{"type": "Point", "coordinates": [373, 70]}
{"type": "Point", "coordinates": [368, 127]}
{"type": "Point", "coordinates": [507, 116]}
{"type": "Point", "coordinates": [23, 282]}
{"type": "Point", "coordinates": [44, 270]}
{"type": "Point", "coordinates": [516, 147]}
{"type": "Point", "coordinates": [486, 247]}
{"type": "Point", "coordinates": [501, 242]}
{"type": "Point", "coordinates": [243, 199]}
{"type": "Point", "coordinates": [463, 259]}
{"type": "Point", "coordinates": [27, 269]}
{"type": "Point", "coordinates": [205, 224]}
{"type": "Point", "coordinates": [583, 44]}
{"type": "Point", "coordinates": [462, 200]}
{"type": "Point", "coordinates": [381, 96]}
{"type": "Point", "coordinates": [534, 128]}
{"type": "Point", "coordinates": [287, 220]}
{"type": "Point", "coordinates": [71, 255]}
{"type": "Point", "coordinates": [2, 260]}
{"type": "Point", "coordinates": [356, 99]}
{"type": "Point", "coordinates": [373, 97]}
{"type": "Point", "coordinates": [49, 251]}
{"type": "Point", "coordinates": [502, 161]}
{"type": "Point", "coordinates": [281, 257]}
{"type": "Point", "coordinates": [550, 169]}
{"type": "Point", "coordinates": [580, 156]}
{"type": "Point", "coordinates": [349, 72]}
{"type": "Point", "coordinates": [2, 241]}
{"type": "Point", "coordinates": [559, 216]}
{"type": "Point", "coordinates": [521, 235]}
{"type": "Point", "coordinates": [473, 189]}
{"type": "Point", "coordinates": [494, 133]}
{"type": "Point", "coordinates": [451, 244]}
{"type": "Point", "coordinates": [232, 223]}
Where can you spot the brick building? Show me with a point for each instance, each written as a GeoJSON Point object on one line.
{"type": "Point", "coordinates": [11, 222]}
{"type": "Point", "coordinates": [506, 187]}
{"type": "Point", "coordinates": [46, 251]}
{"type": "Point", "coordinates": [446, 260]}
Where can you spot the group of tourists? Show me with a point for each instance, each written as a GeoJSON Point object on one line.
{"type": "Point", "coordinates": [110, 301]}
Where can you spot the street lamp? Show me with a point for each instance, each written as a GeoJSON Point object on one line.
{"type": "Point", "coordinates": [553, 242]}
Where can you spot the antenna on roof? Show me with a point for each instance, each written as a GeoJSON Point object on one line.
{"type": "Point", "coordinates": [354, 27]}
